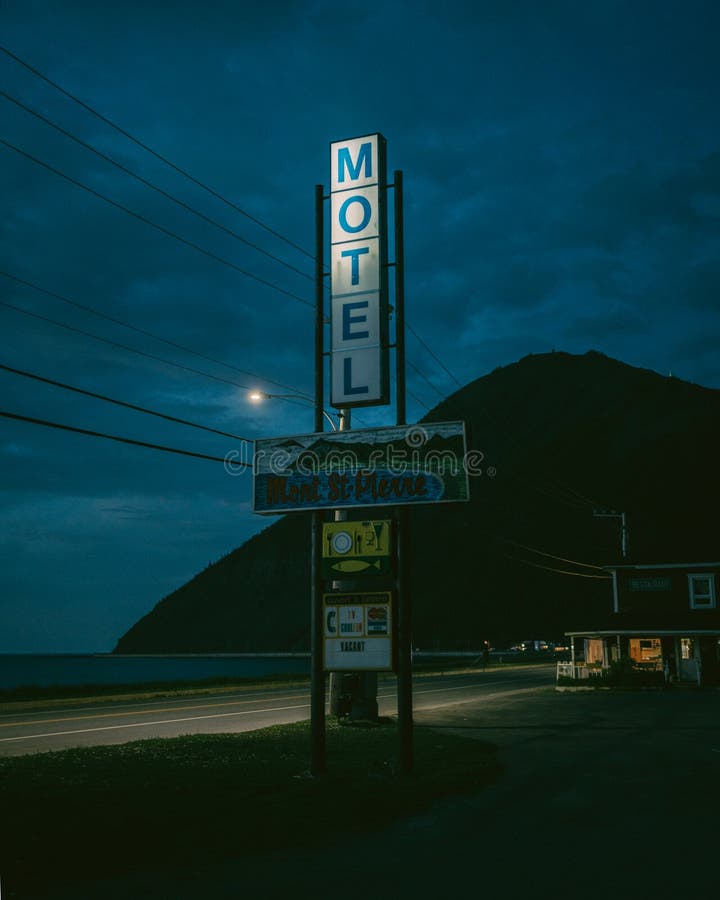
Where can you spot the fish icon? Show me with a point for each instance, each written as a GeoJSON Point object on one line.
{"type": "Point", "coordinates": [355, 565]}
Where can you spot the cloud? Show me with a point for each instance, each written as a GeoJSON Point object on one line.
{"type": "Point", "coordinates": [562, 185]}
{"type": "Point", "coordinates": [702, 290]}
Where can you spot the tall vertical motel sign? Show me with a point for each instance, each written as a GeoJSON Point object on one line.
{"type": "Point", "coordinates": [358, 271]}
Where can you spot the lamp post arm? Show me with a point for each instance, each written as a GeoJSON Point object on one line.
{"type": "Point", "coordinates": [309, 400]}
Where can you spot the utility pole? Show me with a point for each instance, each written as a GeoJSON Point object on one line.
{"type": "Point", "coordinates": [612, 514]}
{"type": "Point", "coordinates": [404, 638]}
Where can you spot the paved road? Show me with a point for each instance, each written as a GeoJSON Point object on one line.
{"type": "Point", "coordinates": [56, 728]}
{"type": "Point", "coordinates": [603, 795]}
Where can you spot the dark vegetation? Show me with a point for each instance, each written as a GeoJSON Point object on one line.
{"type": "Point", "coordinates": [109, 811]}
{"type": "Point", "coordinates": [563, 434]}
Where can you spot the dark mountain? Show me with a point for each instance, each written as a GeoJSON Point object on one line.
{"type": "Point", "coordinates": [561, 435]}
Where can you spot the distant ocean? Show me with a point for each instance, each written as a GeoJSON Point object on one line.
{"type": "Point", "coordinates": [46, 670]}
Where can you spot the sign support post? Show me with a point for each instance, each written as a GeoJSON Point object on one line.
{"type": "Point", "coordinates": [317, 676]}
{"type": "Point", "coordinates": [335, 681]}
{"type": "Point", "coordinates": [404, 658]}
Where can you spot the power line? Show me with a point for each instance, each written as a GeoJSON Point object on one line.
{"type": "Point", "coordinates": [557, 497]}
{"type": "Point", "coordinates": [154, 153]}
{"type": "Point", "coordinates": [152, 186]}
{"type": "Point", "coordinates": [191, 178]}
{"type": "Point", "coordinates": [559, 571]}
{"type": "Point", "coordinates": [422, 375]}
{"type": "Point", "coordinates": [573, 562]}
{"type": "Point", "coordinates": [160, 228]}
{"type": "Point", "coordinates": [142, 409]}
{"type": "Point", "coordinates": [103, 340]}
{"type": "Point", "coordinates": [179, 202]}
{"type": "Point", "coordinates": [139, 330]}
{"type": "Point", "coordinates": [114, 437]}
{"type": "Point", "coordinates": [586, 501]}
{"type": "Point", "coordinates": [430, 351]}
{"type": "Point", "coordinates": [299, 401]}
{"type": "Point", "coordinates": [417, 399]}
{"type": "Point", "coordinates": [151, 334]}
{"type": "Point", "coordinates": [195, 181]}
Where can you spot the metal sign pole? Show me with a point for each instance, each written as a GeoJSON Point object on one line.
{"type": "Point", "coordinates": [340, 516]}
{"type": "Point", "coordinates": [317, 678]}
{"type": "Point", "coordinates": [404, 674]}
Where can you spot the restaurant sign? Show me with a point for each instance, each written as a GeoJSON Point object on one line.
{"type": "Point", "coordinates": [402, 465]}
{"type": "Point", "coordinates": [356, 548]}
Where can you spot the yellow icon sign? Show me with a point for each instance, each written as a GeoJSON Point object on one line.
{"type": "Point", "coordinates": [353, 540]}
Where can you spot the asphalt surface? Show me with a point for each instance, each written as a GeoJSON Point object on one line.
{"type": "Point", "coordinates": [56, 727]}
{"type": "Point", "coordinates": [603, 794]}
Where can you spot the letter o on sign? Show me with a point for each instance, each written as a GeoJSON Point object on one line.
{"type": "Point", "coordinates": [363, 215]}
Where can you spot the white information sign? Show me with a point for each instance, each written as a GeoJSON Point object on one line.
{"type": "Point", "coordinates": [358, 631]}
{"type": "Point", "coordinates": [358, 270]}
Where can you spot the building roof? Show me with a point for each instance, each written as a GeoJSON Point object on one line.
{"type": "Point", "coordinates": [687, 565]}
{"type": "Point", "coordinates": [684, 622]}
{"type": "Point", "coordinates": [645, 632]}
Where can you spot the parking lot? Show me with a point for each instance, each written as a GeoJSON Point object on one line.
{"type": "Point", "coordinates": [603, 793]}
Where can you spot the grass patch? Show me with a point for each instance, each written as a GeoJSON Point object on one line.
{"type": "Point", "coordinates": [106, 811]}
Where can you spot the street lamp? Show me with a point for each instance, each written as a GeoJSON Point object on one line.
{"type": "Point", "coordinates": [259, 396]}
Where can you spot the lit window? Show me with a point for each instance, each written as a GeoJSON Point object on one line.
{"type": "Point", "coordinates": [702, 591]}
{"type": "Point", "coordinates": [645, 649]}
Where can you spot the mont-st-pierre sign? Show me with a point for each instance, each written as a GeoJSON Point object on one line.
{"type": "Point", "coordinates": [400, 465]}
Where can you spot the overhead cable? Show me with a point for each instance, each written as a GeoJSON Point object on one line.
{"type": "Point", "coordinates": [160, 228]}
{"type": "Point", "coordinates": [103, 340]}
{"type": "Point", "coordinates": [558, 571]}
{"type": "Point", "coordinates": [154, 153]}
{"type": "Point", "coordinates": [417, 399]}
{"type": "Point", "coordinates": [431, 352]}
{"type": "Point", "coordinates": [143, 331]}
{"type": "Point", "coordinates": [114, 437]}
{"type": "Point", "coordinates": [187, 175]}
{"type": "Point", "coordinates": [573, 562]}
{"type": "Point", "coordinates": [152, 186]}
{"type": "Point", "coordinates": [133, 406]}
{"type": "Point", "coordinates": [425, 378]}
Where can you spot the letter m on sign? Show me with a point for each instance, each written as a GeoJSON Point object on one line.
{"type": "Point", "coordinates": [345, 162]}
{"type": "Point", "coordinates": [357, 162]}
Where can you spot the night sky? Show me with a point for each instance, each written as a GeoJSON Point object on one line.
{"type": "Point", "coordinates": [562, 178]}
